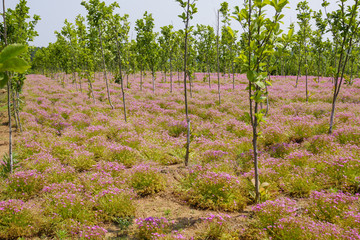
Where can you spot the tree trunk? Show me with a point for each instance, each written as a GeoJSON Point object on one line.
{"type": "Point", "coordinates": [153, 80]}
{"type": "Point", "coordinates": [171, 81]}
{"type": "Point", "coordinates": [104, 66]}
{"type": "Point", "coordinates": [217, 54]}
{"type": "Point", "coordinates": [8, 100]}
{"type": "Point", "coordinates": [209, 75]}
{"type": "Point", "coordinates": [190, 85]}
{"type": "Point", "coordinates": [185, 88]}
{"type": "Point", "coordinates": [332, 116]}
{"type": "Point", "coordinates": [306, 75]}
{"type": "Point", "coordinates": [297, 77]}
{"type": "Point", "coordinates": [141, 78]}
{"type": "Point", "coordinates": [318, 72]}
{"type": "Point", "coordinates": [233, 74]}
{"type": "Point", "coordinates": [121, 78]}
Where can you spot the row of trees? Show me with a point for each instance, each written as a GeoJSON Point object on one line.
{"type": "Point", "coordinates": [305, 52]}
{"type": "Point", "coordinates": [100, 43]}
{"type": "Point", "coordinates": [16, 30]}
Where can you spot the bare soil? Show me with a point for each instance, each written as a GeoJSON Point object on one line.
{"type": "Point", "coordinates": [186, 219]}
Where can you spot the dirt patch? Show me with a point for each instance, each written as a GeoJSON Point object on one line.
{"type": "Point", "coordinates": [4, 135]}
{"type": "Point", "coordinates": [185, 218]}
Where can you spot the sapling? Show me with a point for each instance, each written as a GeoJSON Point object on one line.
{"type": "Point", "coordinates": [344, 24]}
{"type": "Point", "coordinates": [304, 17]}
{"type": "Point", "coordinates": [227, 40]}
{"type": "Point", "coordinates": [317, 39]}
{"type": "Point", "coordinates": [147, 47]}
{"type": "Point", "coordinates": [98, 14]}
{"type": "Point", "coordinates": [10, 61]}
{"type": "Point", "coordinates": [205, 43]}
{"type": "Point", "coordinates": [217, 54]}
{"type": "Point", "coordinates": [168, 45]}
{"type": "Point", "coordinates": [189, 11]}
{"type": "Point", "coordinates": [119, 29]}
{"type": "Point", "coordinates": [259, 35]}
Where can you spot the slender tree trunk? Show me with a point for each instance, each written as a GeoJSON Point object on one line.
{"type": "Point", "coordinates": [318, 70]}
{"type": "Point", "coordinates": [92, 91]}
{"type": "Point", "coordinates": [80, 83]}
{"type": "Point", "coordinates": [185, 88]}
{"type": "Point", "coordinates": [256, 167]}
{"type": "Point", "coordinates": [8, 100]}
{"type": "Point", "coordinates": [306, 75]}
{"type": "Point", "coordinates": [141, 77]}
{"type": "Point", "coordinates": [104, 66]}
{"type": "Point", "coordinates": [351, 72]}
{"type": "Point", "coordinates": [298, 74]}
{"type": "Point", "coordinates": [171, 80]}
{"type": "Point", "coordinates": [10, 129]}
{"type": "Point", "coordinates": [153, 80]}
{"type": "Point", "coordinates": [14, 109]}
{"type": "Point", "coordinates": [208, 67]}
{"type": "Point", "coordinates": [253, 112]}
{"type": "Point", "coordinates": [17, 103]}
{"type": "Point", "coordinates": [190, 85]}
{"type": "Point", "coordinates": [233, 74]}
{"type": "Point", "coordinates": [217, 54]}
{"type": "Point", "coordinates": [121, 78]}
{"type": "Point", "coordinates": [127, 80]}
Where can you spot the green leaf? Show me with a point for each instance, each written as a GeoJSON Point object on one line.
{"type": "Point", "coordinates": [4, 78]}
{"type": "Point", "coordinates": [12, 51]}
{"type": "Point", "coordinates": [250, 76]}
{"type": "Point", "coordinates": [260, 84]}
{"type": "Point", "coordinates": [15, 64]}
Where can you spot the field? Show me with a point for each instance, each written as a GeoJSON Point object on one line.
{"type": "Point", "coordinates": [83, 172]}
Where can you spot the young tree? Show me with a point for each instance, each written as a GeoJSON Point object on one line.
{"type": "Point", "coordinates": [10, 62]}
{"type": "Point", "coordinates": [85, 58]}
{"type": "Point", "coordinates": [228, 39]}
{"type": "Point", "coordinates": [304, 17]}
{"type": "Point", "coordinates": [317, 39]}
{"type": "Point", "coordinates": [260, 34]}
{"type": "Point", "coordinates": [119, 28]}
{"type": "Point", "coordinates": [188, 14]}
{"type": "Point", "coordinates": [205, 47]}
{"type": "Point", "coordinates": [344, 24]}
{"type": "Point", "coordinates": [218, 53]}
{"type": "Point", "coordinates": [97, 17]}
{"type": "Point", "coordinates": [69, 32]}
{"type": "Point", "coordinates": [147, 46]}
{"type": "Point", "coordinates": [167, 46]}
{"type": "Point", "coordinates": [20, 28]}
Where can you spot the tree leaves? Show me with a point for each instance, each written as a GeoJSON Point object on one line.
{"type": "Point", "coordinates": [11, 51]}
{"type": "Point", "coordinates": [9, 61]}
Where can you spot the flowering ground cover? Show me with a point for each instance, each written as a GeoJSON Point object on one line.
{"type": "Point", "coordinates": [86, 173]}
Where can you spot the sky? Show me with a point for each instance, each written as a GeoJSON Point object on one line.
{"type": "Point", "coordinates": [165, 12]}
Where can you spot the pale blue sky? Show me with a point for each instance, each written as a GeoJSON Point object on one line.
{"type": "Point", "coordinates": [54, 12]}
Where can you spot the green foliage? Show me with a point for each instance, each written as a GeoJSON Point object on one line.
{"type": "Point", "coordinates": [24, 184]}
{"type": "Point", "coordinates": [5, 165]}
{"type": "Point", "coordinates": [146, 180]}
{"type": "Point", "coordinates": [19, 220]}
{"type": "Point", "coordinates": [148, 50]}
{"type": "Point", "coordinates": [115, 205]}
{"type": "Point", "coordinates": [216, 191]}
{"type": "Point", "coordinates": [216, 227]}
{"type": "Point", "coordinates": [67, 206]}
{"type": "Point", "coordinates": [10, 61]}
